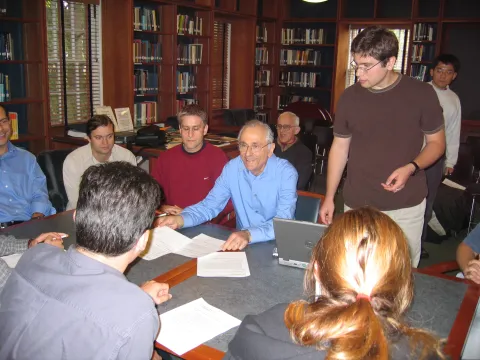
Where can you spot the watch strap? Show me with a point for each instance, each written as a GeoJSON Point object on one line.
{"type": "Point", "coordinates": [417, 168]}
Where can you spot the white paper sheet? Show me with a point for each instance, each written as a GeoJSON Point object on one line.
{"type": "Point", "coordinates": [192, 324]}
{"type": "Point", "coordinates": [164, 241]}
{"type": "Point", "coordinates": [11, 260]}
{"type": "Point", "coordinates": [453, 184]}
{"type": "Point", "coordinates": [201, 245]}
{"type": "Point", "coordinates": [223, 264]}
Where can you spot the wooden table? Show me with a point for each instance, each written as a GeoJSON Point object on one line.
{"type": "Point", "coordinates": [441, 303]}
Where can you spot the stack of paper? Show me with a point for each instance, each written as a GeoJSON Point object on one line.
{"type": "Point", "coordinates": [11, 260]}
{"type": "Point", "coordinates": [165, 241]}
{"type": "Point", "coordinates": [192, 324]}
{"type": "Point", "coordinates": [453, 184]}
{"type": "Point", "coordinates": [223, 264]}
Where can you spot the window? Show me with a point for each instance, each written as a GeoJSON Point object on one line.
{"type": "Point", "coordinates": [73, 45]}
{"type": "Point", "coordinates": [222, 33]}
{"type": "Point", "coordinates": [403, 47]}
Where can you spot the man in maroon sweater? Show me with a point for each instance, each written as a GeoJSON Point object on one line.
{"type": "Point", "coordinates": [188, 172]}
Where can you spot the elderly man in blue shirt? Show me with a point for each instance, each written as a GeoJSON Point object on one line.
{"type": "Point", "coordinates": [23, 189]}
{"type": "Point", "coordinates": [261, 186]}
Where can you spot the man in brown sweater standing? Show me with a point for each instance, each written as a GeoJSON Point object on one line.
{"type": "Point", "coordinates": [380, 126]}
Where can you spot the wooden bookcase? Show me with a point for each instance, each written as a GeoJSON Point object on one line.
{"type": "Point", "coordinates": [448, 19]}
{"type": "Point", "coordinates": [24, 20]}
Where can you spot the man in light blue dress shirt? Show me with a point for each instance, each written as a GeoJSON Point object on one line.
{"type": "Point", "coordinates": [23, 187]}
{"type": "Point", "coordinates": [261, 186]}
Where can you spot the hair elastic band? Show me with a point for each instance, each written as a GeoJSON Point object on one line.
{"type": "Point", "coordinates": [363, 296]}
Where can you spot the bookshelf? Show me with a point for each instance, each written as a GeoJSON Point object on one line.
{"type": "Point", "coordinates": [22, 70]}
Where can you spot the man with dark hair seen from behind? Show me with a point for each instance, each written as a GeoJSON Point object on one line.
{"type": "Point", "coordinates": [290, 148]}
{"type": "Point", "coordinates": [380, 126]}
{"type": "Point", "coordinates": [187, 172]}
{"type": "Point", "coordinates": [78, 304]}
{"type": "Point", "coordinates": [101, 148]}
{"type": "Point", "coordinates": [23, 186]}
{"type": "Point", "coordinates": [444, 70]}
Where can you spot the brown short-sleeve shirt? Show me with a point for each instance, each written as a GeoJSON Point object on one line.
{"type": "Point", "coordinates": [387, 128]}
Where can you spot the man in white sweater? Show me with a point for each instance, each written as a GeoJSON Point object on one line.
{"type": "Point", "coordinates": [444, 70]}
{"type": "Point", "coordinates": [101, 148]}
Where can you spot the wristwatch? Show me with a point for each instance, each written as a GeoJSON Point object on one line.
{"type": "Point", "coordinates": [417, 168]}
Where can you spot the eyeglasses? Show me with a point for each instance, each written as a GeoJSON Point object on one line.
{"type": "Point", "coordinates": [284, 127]}
{"type": "Point", "coordinates": [243, 147]}
{"type": "Point", "coordinates": [361, 68]}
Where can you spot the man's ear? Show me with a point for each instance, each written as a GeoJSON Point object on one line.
{"type": "Point", "coordinates": [205, 130]}
{"type": "Point", "coordinates": [142, 242]}
{"type": "Point", "coordinates": [271, 147]}
{"type": "Point", "coordinates": [391, 62]}
{"type": "Point", "coordinates": [297, 129]}
{"type": "Point", "coordinates": [431, 72]}
{"type": "Point", "coordinates": [88, 138]}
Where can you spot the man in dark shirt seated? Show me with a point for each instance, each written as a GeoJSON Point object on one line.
{"type": "Point", "coordinates": [290, 148]}
{"type": "Point", "coordinates": [78, 304]}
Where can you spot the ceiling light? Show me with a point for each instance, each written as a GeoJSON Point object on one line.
{"type": "Point", "coordinates": [314, 1]}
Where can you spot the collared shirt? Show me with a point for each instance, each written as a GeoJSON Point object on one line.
{"type": "Point", "coordinates": [256, 199]}
{"type": "Point", "coordinates": [80, 160]}
{"type": "Point", "coordinates": [9, 245]}
{"type": "Point", "coordinates": [23, 186]}
{"type": "Point", "coordinates": [65, 305]}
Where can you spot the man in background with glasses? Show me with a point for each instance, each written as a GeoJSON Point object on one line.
{"type": "Point", "coordinates": [290, 148]}
{"type": "Point", "coordinates": [381, 125]}
{"type": "Point", "coordinates": [261, 186]}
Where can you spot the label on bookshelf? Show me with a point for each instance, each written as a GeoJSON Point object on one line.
{"type": "Point", "coordinates": [303, 36]}
{"type": "Point", "coordinates": [424, 32]}
{"type": "Point", "coordinates": [300, 57]}
{"type": "Point", "coordinates": [190, 54]}
{"type": "Point", "coordinates": [145, 82]}
{"type": "Point", "coordinates": [300, 79]}
{"type": "Point", "coordinates": [145, 51]}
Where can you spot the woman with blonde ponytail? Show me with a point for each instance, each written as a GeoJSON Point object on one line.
{"type": "Point", "coordinates": [361, 269]}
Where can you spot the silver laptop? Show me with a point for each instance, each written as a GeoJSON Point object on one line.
{"type": "Point", "coordinates": [295, 241]}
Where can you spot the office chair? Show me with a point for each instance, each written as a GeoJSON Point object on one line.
{"type": "Point", "coordinates": [308, 206]}
{"type": "Point", "coordinates": [473, 189]}
{"type": "Point", "coordinates": [51, 163]}
{"type": "Point", "coordinates": [324, 143]}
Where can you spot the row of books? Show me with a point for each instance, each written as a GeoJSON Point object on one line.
{"type": "Point", "coordinates": [189, 53]}
{"type": "Point", "coordinates": [180, 103]}
{"type": "Point", "coordinates": [145, 51]}
{"type": "Point", "coordinates": [185, 82]}
{"type": "Point", "coordinates": [145, 113]}
{"type": "Point", "coordinates": [422, 52]}
{"type": "Point", "coordinates": [258, 101]}
{"type": "Point", "coordinates": [262, 78]}
{"type": "Point", "coordinates": [300, 79]}
{"type": "Point", "coordinates": [145, 82]}
{"type": "Point", "coordinates": [284, 100]}
{"type": "Point", "coordinates": [303, 36]}
{"type": "Point", "coordinates": [4, 88]}
{"type": "Point", "coordinates": [424, 32]}
{"type": "Point", "coordinates": [419, 72]}
{"type": "Point", "coordinates": [300, 57]}
{"type": "Point", "coordinates": [6, 46]}
{"type": "Point", "coordinates": [261, 56]}
{"type": "Point", "coordinates": [189, 25]}
{"type": "Point", "coordinates": [145, 19]}
{"type": "Point", "coordinates": [261, 34]}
